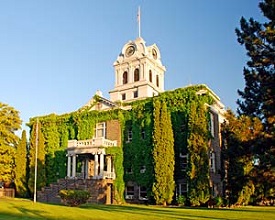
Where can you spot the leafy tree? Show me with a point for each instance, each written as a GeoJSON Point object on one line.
{"type": "Point", "coordinates": [21, 166]}
{"type": "Point", "coordinates": [163, 155]}
{"type": "Point", "coordinates": [41, 174]}
{"type": "Point", "coordinates": [9, 123]}
{"type": "Point", "coordinates": [258, 96]}
{"type": "Point", "coordinates": [239, 134]}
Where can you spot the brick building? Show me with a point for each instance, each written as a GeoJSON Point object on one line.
{"type": "Point", "coordinates": [139, 75]}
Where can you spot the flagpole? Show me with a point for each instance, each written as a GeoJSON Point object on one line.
{"type": "Point", "coordinates": [35, 166]}
{"type": "Point", "coordinates": [139, 31]}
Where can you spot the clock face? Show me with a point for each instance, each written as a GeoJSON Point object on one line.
{"type": "Point", "coordinates": [155, 54]}
{"type": "Point", "coordinates": [130, 51]}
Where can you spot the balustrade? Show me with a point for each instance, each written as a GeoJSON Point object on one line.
{"type": "Point", "coordinates": [95, 142]}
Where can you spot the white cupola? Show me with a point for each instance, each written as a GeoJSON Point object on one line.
{"type": "Point", "coordinates": [139, 72]}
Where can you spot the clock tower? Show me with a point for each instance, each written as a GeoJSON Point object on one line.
{"type": "Point", "coordinates": [139, 72]}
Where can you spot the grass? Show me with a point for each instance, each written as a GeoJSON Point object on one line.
{"type": "Point", "coordinates": [11, 209]}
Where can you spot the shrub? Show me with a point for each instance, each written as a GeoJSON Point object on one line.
{"type": "Point", "coordinates": [218, 201]}
{"type": "Point", "coordinates": [74, 197]}
{"type": "Point", "coordinates": [181, 200]}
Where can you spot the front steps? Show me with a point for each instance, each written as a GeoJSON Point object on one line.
{"type": "Point", "coordinates": [100, 190]}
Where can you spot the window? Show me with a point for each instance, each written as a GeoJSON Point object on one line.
{"type": "Point", "coordinates": [129, 192]}
{"type": "Point", "coordinates": [135, 94]}
{"type": "Point", "coordinates": [125, 77]}
{"type": "Point", "coordinates": [183, 162]}
{"type": "Point", "coordinates": [150, 76]}
{"type": "Point", "coordinates": [183, 188]}
{"type": "Point", "coordinates": [100, 130]}
{"type": "Point", "coordinates": [142, 191]}
{"type": "Point", "coordinates": [136, 75]}
{"type": "Point", "coordinates": [157, 80]}
{"type": "Point", "coordinates": [123, 96]}
{"type": "Point", "coordinates": [130, 135]}
{"type": "Point", "coordinates": [212, 162]}
{"type": "Point", "coordinates": [212, 124]}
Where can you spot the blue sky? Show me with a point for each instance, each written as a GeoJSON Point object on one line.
{"type": "Point", "coordinates": [55, 54]}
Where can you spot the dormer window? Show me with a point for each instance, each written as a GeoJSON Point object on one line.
{"type": "Point", "coordinates": [136, 75]}
{"type": "Point", "coordinates": [125, 77]}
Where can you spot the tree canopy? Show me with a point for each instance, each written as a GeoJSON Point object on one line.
{"type": "Point", "coordinates": [258, 97]}
{"type": "Point", "coordinates": [9, 123]}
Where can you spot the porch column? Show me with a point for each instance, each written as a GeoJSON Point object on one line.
{"type": "Point", "coordinates": [86, 168]}
{"type": "Point", "coordinates": [109, 165]}
{"type": "Point", "coordinates": [74, 165]}
{"type": "Point", "coordinates": [83, 168]}
{"type": "Point", "coordinates": [96, 166]}
{"type": "Point", "coordinates": [101, 165]}
{"type": "Point", "coordinates": [69, 166]}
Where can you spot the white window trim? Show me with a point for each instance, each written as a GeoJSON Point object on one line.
{"type": "Point", "coordinates": [181, 191]}
{"type": "Point", "coordinates": [98, 127]}
{"type": "Point", "coordinates": [139, 196]}
{"type": "Point", "coordinates": [212, 161]}
{"type": "Point", "coordinates": [184, 156]}
{"type": "Point", "coordinates": [130, 135]}
{"type": "Point", "coordinates": [129, 196]}
{"type": "Point", "coordinates": [212, 124]}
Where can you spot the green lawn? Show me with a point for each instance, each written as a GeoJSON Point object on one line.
{"type": "Point", "coordinates": [24, 209]}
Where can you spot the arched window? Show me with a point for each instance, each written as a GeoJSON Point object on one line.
{"type": "Point", "coordinates": [136, 75]}
{"type": "Point", "coordinates": [150, 76]}
{"type": "Point", "coordinates": [125, 77]}
{"type": "Point", "coordinates": [157, 80]}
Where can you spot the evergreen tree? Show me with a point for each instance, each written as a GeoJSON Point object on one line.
{"type": "Point", "coordinates": [258, 96]}
{"type": "Point", "coordinates": [198, 160]}
{"type": "Point", "coordinates": [9, 123]}
{"type": "Point", "coordinates": [41, 174]}
{"type": "Point", "coordinates": [163, 155]}
{"type": "Point", "coordinates": [21, 166]}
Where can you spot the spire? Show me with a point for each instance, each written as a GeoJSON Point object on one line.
{"type": "Point", "coordinates": [138, 20]}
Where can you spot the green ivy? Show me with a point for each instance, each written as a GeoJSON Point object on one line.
{"type": "Point", "coordinates": [190, 128]}
{"type": "Point", "coordinates": [119, 185]}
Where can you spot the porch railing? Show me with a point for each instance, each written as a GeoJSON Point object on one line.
{"type": "Point", "coordinates": [94, 142]}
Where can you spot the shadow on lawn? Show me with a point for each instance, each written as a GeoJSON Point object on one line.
{"type": "Point", "coordinates": [23, 213]}
{"type": "Point", "coordinates": [153, 211]}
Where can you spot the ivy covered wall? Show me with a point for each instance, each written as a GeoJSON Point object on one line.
{"type": "Point", "coordinates": [189, 116]}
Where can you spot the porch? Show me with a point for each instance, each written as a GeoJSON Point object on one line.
{"type": "Point", "coordinates": [87, 159]}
